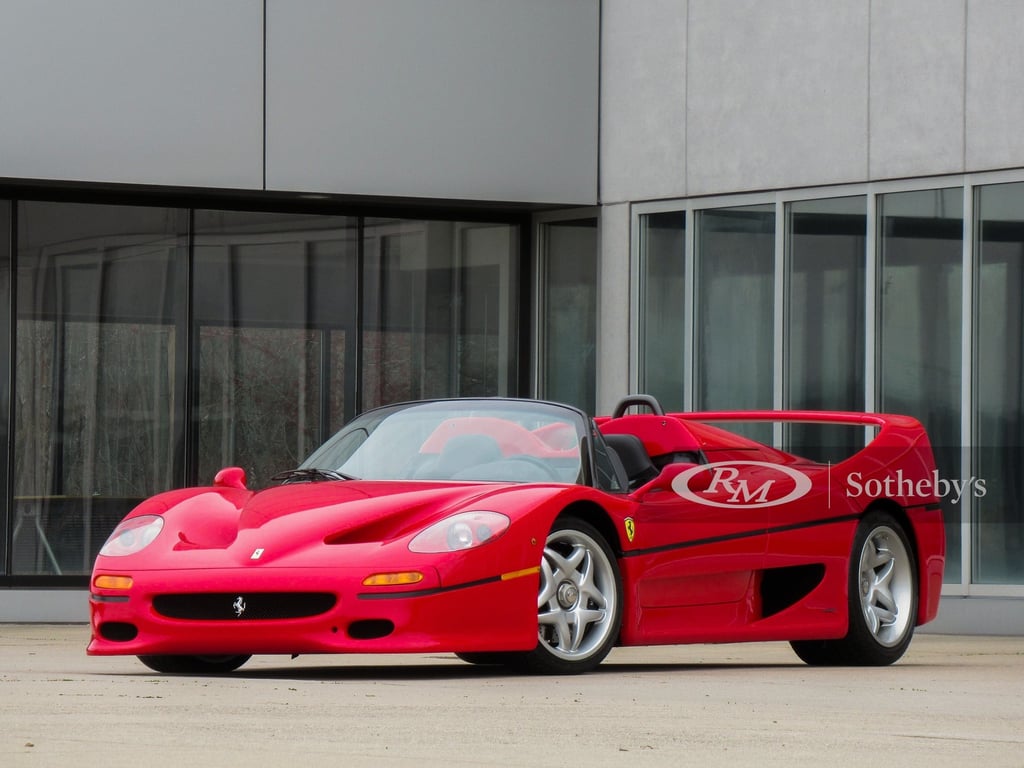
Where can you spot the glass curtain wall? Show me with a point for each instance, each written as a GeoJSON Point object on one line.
{"type": "Point", "coordinates": [569, 324]}
{"type": "Point", "coordinates": [5, 378]}
{"type": "Point", "coordinates": [663, 307]}
{"type": "Point", "coordinates": [275, 305]}
{"type": "Point", "coordinates": [98, 416]}
{"type": "Point", "coordinates": [920, 319]}
{"type": "Point", "coordinates": [825, 241]}
{"type": "Point", "coordinates": [924, 298]}
{"type": "Point", "coordinates": [439, 309]}
{"type": "Point", "coordinates": [154, 346]}
{"type": "Point", "coordinates": [998, 524]}
{"type": "Point", "coordinates": [735, 298]}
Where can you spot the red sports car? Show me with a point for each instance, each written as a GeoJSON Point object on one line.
{"type": "Point", "coordinates": [524, 533]}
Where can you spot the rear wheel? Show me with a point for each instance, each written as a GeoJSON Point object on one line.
{"type": "Point", "coordinates": [194, 665]}
{"type": "Point", "coordinates": [579, 605]}
{"type": "Point", "coordinates": [882, 602]}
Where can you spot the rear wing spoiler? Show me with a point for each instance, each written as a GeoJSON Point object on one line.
{"type": "Point", "coordinates": [895, 431]}
{"type": "Point", "coordinates": [881, 420]}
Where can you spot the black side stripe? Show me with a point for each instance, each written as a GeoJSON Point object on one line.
{"type": "Point", "coordinates": [641, 552]}
{"type": "Point", "coordinates": [741, 535]}
{"type": "Point", "coordinates": [925, 506]}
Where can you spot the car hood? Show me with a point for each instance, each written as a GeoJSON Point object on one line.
{"type": "Point", "coordinates": [330, 512]}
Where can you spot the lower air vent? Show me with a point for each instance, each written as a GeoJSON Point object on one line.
{"type": "Point", "coordinates": [243, 606]}
{"type": "Point", "coordinates": [370, 629]}
{"type": "Point", "coordinates": [118, 631]}
{"type": "Point", "coordinates": [783, 587]}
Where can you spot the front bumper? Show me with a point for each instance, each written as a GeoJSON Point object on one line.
{"type": "Point", "coordinates": [493, 614]}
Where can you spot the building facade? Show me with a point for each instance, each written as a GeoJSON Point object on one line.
{"type": "Point", "coordinates": [227, 227]}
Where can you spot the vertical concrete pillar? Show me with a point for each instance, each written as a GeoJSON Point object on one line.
{"type": "Point", "coordinates": [614, 280]}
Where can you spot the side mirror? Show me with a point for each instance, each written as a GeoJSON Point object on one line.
{"type": "Point", "coordinates": [230, 477]}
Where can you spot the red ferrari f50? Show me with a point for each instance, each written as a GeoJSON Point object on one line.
{"type": "Point", "coordinates": [524, 533]}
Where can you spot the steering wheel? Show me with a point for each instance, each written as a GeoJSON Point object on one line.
{"type": "Point", "coordinates": [533, 461]}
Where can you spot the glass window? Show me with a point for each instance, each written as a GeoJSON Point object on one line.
{"type": "Point", "coordinates": [5, 375]}
{"type": "Point", "coordinates": [100, 309]}
{"type": "Point", "coordinates": [569, 318]}
{"type": "Point", "coordinates": [275, 312]}
{"type": "Point", "coordinates": [663, 306]}
{"type": "Point", "coordinates": [999, 386]}
{"type": "Point", "coordinates": [920, 316]}
{"type": "Point", "coordinates": [734, 342]}
{"type": "Point", "coordinates": [825, 339]}
{"type": "Point", "coordinates": [439, 309]}
{"type": "Point", "coordinates": [142, 364]}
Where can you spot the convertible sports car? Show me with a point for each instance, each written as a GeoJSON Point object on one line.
{"type": "Point", "coordinates": [524, 533]}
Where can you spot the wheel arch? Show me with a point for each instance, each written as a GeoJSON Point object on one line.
{"type": "Point", "coordinates": [598, 517]}
{"type": "Point", "coordinates": [899, 514]}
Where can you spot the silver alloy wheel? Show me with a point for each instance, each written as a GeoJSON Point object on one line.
{"type": "Point", "coordinates": [886, 586]}
{"type": "Point", "coordinates": [577, 601]}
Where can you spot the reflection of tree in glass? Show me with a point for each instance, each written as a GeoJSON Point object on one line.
{"type": "Point", "coordinates": [259, 399]}
{"type": "Point", "coordinates": [108, 430]}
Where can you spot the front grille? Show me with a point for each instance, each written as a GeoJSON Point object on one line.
{"type": "Point", "coordinates": [243, 606]}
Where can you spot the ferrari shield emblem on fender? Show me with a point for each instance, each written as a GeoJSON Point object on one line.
{"type": "Point", "coordinates": [630, 528]}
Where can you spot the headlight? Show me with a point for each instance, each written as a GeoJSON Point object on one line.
{"type": "Point", "coordinates": [133, 535]}
{"type": "Point", "coordinates": [462, 531]}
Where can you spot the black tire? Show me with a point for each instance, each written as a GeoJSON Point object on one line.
{"type": "Point", "coordinates": [882, 600]}
{"type": "Point", "coordinates": [580, 583]}
{"type": "Point", "coordinates": [194, 665]}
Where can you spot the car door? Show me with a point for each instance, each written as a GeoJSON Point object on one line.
{"type": "Point", "coordinates": [699, 539]}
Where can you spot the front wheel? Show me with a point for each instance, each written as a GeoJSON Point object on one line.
{"type": "Point", "coordinates": [194, 665]}
{"type": "Point", "coordinates": [882, 601]}
{"type": "Point", "coordinates": [579, 604]}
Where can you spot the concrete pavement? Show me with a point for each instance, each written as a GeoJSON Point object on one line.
{"type": "Point", "coordinates": [953, 701]}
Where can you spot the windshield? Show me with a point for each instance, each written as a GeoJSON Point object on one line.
{"type": "Point", "coordinates": [464, 440]}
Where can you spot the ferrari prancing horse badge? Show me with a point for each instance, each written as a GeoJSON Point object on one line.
{"type": "Point", "coordinates": [630, 528]}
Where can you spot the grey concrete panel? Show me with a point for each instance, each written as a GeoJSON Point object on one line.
{"type": "Point", "coordinates": [475, 99]}
{"type": "Point", "coordinates": [995, 60]}
{"type": "Point", "coordinates": [643, 99]}
{"type": "Point", "coordinates": [134, 91]}
{"type": "Point", "coordinates": [776, 94]}
{"type": "Point", "coordinates": [917, 88]}
{"type": "Point", "coordinates": [44, 605]}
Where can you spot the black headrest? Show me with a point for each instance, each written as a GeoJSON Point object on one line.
{"type": "Point", "coordinates": [630, 450]}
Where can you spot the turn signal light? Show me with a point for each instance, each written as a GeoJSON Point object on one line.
{"type": "Point", "coordinates": [393, 579]}
{"type": "Point", "coordinates": [113, 582]}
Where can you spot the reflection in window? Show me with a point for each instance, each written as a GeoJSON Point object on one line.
{"type": "Point", "coordinates": [663, 306]}
{"type": "Point", "coordinates": [275, 304]}
{"type": "Point", "coordinates": [5, 371]}
{"type": "Point", "coordinates": [919, 321]}
{"type": "Point", "coordinates": [98, 413]}
{"type": "Point", "coordinates": [438, 309]}
{"type": "Point", "coordinates": [111, 334]}
{"type": "Point", "coordinates": [999, 386]}
{"type": "Point", "coordinates": [569, 317]}
{"type": "Point", "coordinates": [825, 289]}
{"type": "Point", "coordinates": [735, 311]}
